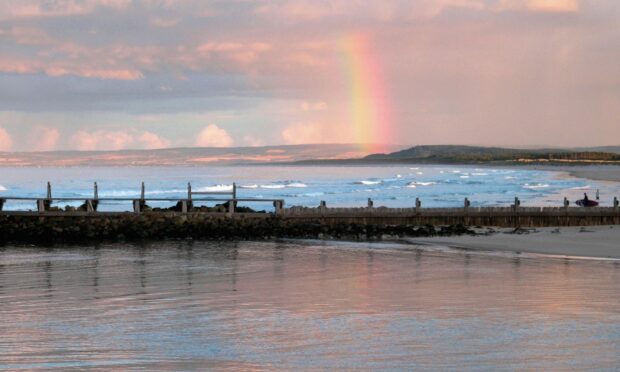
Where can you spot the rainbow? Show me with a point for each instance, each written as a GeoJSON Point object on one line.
{"type": "Point", "coordinates": [368, 111]}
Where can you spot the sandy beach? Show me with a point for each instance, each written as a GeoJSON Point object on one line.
{"type": "Point", "coordinates": [590, 241]}
{"type": "Point", "coordinates": [591, 172]}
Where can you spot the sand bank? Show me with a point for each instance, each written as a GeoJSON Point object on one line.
{"type": "Point", "coordinates": [591, 172]}
{"type": "Point", "coordinates": [591, 241]}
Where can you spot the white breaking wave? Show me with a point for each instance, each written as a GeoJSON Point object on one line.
{"type": "Point", "coordinates": [272, 186]}
{"type": "Point", "coordinates": [510, 178]}
{"type": "Point", "coordinates": [253, 186]}
{"type": "Point", "coordinates": [2, 188]}
{"type": "Point", "coordinates": [418, 183]}
{"type": "Point", "coordinates": [368, 182]}
{"type": "Point", "coordinates": [479, 174]}
{"type": "Point", "coordinates": [587, 187]}
{"type": "Point", "coordinates": [536, 186]}
{"type": "Point", "coordinates": [464, 176]}
{"type": "Point", "coordinates": [216, 188]}
{"type": "Point", "coordinates": [296, 185]}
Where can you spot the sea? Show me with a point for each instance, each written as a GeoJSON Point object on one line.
{"type": "Point", "coordinates": [304, 306]}
{"type": "Point", "coordinates": [346, 186]}
{"type": "Point", "coordinates": [299, 304]}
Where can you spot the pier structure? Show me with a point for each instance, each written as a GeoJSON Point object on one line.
{"type": "Point", "coordinates": [139, 205]}
{"type": "Point", "coordinates": [513, 215]}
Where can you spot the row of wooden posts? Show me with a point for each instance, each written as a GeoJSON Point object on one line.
{"type": "Point", "coordinates": [44, 204]}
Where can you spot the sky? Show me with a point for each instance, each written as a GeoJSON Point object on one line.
{"type": "Point", "coordinates": [119, 74]}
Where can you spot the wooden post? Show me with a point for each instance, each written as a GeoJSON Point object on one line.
{"type": "Point", "coordinates": [234, 191]}
{"type": "Point", "coordinates": [183, 206]}
{"type": "Point", "coordinates": [323, 206]}
{"type": "Point", "coordinates": [2, 201]}
{"type": "Point", "coordinates": [89, 206]}
{"type": "Point", "coordinates": [278, 205]}
{"type": "Point", "coordinates": [189, 191]}
{"type": "Point", "coordinates": [231, 206]}
{"type": "Point", "coordinates": [49, 190]}
{"type": "Point", "coordinates": [136, 206]}
{"type": "Point", "coordinates": [95, 191]}
{"type": "Point", "coordinates": [41, 205]}
{"type": "Point", "coordinates": [142, 191]}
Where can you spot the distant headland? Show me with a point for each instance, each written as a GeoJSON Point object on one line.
{"type": "Point", "coordinates": [319, 154]}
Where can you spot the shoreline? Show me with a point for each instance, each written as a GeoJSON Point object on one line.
{"type": "Point", "coordinates": [590, 241]}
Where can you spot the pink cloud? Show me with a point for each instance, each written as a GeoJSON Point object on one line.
{"type": "Point", "coordinates": [302, 133]}
{"type": "Point", "coordinates": [116, 140]}
{"type": "Point", "coordinates": [149, 140]}
{"type": "Point", "coordinates": [44, 138]}
{"type": "Point", "coordinates": [546, 6]}
{"type": "Point", "coordinates": [6, 142]}
{"type": "Point", "coordinates": [213, 136]}
{"type": "Point", "coordinates": [57, 8]}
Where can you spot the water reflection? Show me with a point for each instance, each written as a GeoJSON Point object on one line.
{"type": "Point", "coordinates": [303, 305]}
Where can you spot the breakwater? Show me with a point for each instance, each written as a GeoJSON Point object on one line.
{"type": "Point", "coordinates": [102, 227]}
{"type": "Point", "coordinates": [191, 218]}
{"type": "Point", "coordinates": [306, 223]}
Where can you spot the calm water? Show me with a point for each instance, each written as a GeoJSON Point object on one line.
{"type": "Point", "coordinates": [436, 186]}
{"type": "Point", "coordinates": [304, 306]}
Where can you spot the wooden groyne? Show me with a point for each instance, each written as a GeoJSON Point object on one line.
{"type": "Point", "coordinates": [513, 216]}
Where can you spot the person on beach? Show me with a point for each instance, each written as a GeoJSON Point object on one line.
{"type": "Point", "coordinates": [585, 198]}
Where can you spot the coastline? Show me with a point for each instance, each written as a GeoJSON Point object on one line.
{"type": "Point", "coordinates": [590, 241]}
{"type": "Point", "coordinates": [610, 173]}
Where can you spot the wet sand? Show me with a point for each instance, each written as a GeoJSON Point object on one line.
{"type": "Point", "coordinates": [591, 172]}
{"type": "Point", "coordinates": [591, 241]}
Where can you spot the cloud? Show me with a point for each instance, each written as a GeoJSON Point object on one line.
{"type": "Point", "coordinates": [545, 6]}
{"type": "Point", "coordinates": [116, 140]}
{"type": "Point", "coordinates": [314, 106]}
{"type": "Point", "coordinates": [213, 136]}
{"type": "Point", "coordinates": [57, 8]}
{"type": "Point", "coordinates": [149, 140]}
{"type": "Point", "coordinates": [43, 138]}
{"type": "Point", "coordinates": [6, 142]}
{"type": "Point", "coordinates": [553, 5]}
{"type": "Point", "coordinates": [302, 133]}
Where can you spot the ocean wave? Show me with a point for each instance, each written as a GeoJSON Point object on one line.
{"type": "Point", "coordinates": [283, 184]}
{"type": "Point", "coordinates": [216, 188]}
{"type": "Point", "coordinates": [536, 186]}
{"type": "Point", "coordinates": [419, 183]}
{"type": "Point", "coordinates": [296, 185]}
{"type": "Point", "coordinates": [2, 188]}
{"type": "Point", "coordinates": [369, 182]}
{"type": "Point", "coordinates": [587, 187]}
{"type": "Point", "coordinates": [134, 192]}
{"type": "Point", "coordinates": [464, 176]}
{"type": "Point", "coordinates": [480, 174]}
{"type": "Point", "coordinates": [312, 194]}
{"type": "Point", "coordinates": [273, 186]}
{"type": "Point", "coordinates": [510, 178]}
{"type": "Point", "coordinates": [252, 186]}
